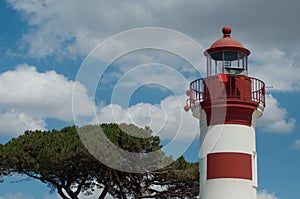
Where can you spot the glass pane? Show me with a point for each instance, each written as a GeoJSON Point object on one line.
{"type": "Point", "coordinates": [228, 61]}
{"type": "Point", "coordinates": [230, 55]}
{"type": "Point", "coordinates": [217, 55]}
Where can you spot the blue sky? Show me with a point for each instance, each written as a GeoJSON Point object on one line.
{"type": "Point", "coordinates": [46, 46]}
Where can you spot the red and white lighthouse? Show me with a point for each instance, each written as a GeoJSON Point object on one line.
{"type": "Point", "coordinates": [227, 103]}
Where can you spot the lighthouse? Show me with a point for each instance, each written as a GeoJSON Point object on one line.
{"type": "Point", "coordinates": [227, 103]}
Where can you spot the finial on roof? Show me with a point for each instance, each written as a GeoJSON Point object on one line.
{"type": "Point", "coordinates": [226, 31]}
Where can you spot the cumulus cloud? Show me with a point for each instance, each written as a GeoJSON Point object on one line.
{"type": "Point", "coordinates": [276, 69]}
{"type": "Point", "coordinates": [68, 29]}
{"type": "Point", "coordinates": [275, 118]}
{"type": "Point", "coordinates": [266, 195]}
{"type": "Point", "coordinates": [13, 123]}
{"type": "Point", "coordinates": [63, 26]}
{"type": "Point", "coordinates": [29, 96]}
{"type": "Point", "coordinates": [77, 26]}
{"type": "Point", "coordinates": [167, 120]}
{"type": "Point", "coordinates": [71, 28]}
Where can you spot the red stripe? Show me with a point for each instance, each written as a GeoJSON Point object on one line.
{"type": "Point", "coordinates": [229, 165]}
{"type": "Point", "coordinates": [229, 112]}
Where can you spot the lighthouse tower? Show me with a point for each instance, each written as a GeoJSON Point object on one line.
{"type": "Point", "coordinates": [227, 103]}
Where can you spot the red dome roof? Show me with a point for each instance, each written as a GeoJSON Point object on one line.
{"type": "Point", "coordinates": [227, 43]}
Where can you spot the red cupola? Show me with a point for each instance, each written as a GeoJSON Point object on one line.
{"type": "Point", "coordinates": [227, 55]}
{"type": "Point", "coordinates": [227, 43]}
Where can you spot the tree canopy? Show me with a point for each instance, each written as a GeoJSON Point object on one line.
{"type": "Point", "coordinates": [59, 159]}
{"type": "Point", "coordinates": [56, 158]}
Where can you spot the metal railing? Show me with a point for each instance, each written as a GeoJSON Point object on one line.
{"type": "Point", "coordinates": [232, 87]}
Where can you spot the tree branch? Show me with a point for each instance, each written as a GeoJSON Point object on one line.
{"type": "Point", "coordinates": [61, 193]}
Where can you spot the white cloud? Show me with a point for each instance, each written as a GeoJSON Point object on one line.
{"type": "Point", "coordinates": [16, 196]}
{"type": "Point", "coordinates": [168, 119]}
{"type": "Point", "coordinates": [275, 118]}
{"type": "Point", "coordinates": [70, 28]}
{"type": "Point", "coordinates": [295, 145]}
{"type": "Point", "coordinates": [276, 69]}
{"type": "Point", "coordinates": [77, 26]}
{"type": "Point", "coordinates": [13, 123]}
{"type": "Point", "coordinates": [266, 195]}
{"type": "Point", "coordinates": [29, 96]}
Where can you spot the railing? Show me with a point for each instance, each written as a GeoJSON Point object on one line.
{"type": "Point", "coordinates": [223, 86]}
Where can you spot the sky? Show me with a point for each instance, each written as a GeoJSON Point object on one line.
{"type": "Point", "coordinates": [132, 61]}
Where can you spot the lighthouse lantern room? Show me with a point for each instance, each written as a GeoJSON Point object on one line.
{"type": "Point", "coordinates": [227, 56]}
{"type": "Point", "coordinates": [227, 103]}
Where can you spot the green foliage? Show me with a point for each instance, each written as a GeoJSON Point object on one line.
{"type": "Point", "coordinates": [60, 159]}
{"type": "Point", "coordinates": [56, 158]}
{"type": "Point", "coordinates": [110, 143]}
{"type": "Point", "coordinates": [181, 179]}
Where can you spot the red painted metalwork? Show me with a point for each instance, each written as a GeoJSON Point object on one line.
{"type": "Point", "coordinates": [222, 77]}
{"type": "Point", "coordinates": [229, 165]}
{"type": "Point", "coordinates": [228, 99]}
{"type": "Point", "coordinates": [230, 114]}
{"type": "Point", "coordinates": [226, 43]}
{"type": "Point", "coordinates": [237, 87]}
